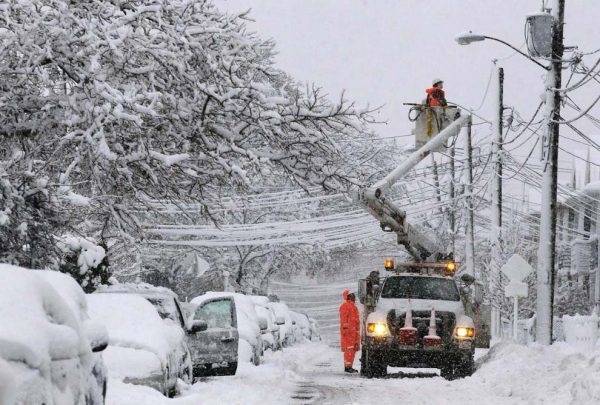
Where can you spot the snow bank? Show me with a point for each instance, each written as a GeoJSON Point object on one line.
{"type": "Point", "coordinates": [270, 383]}
{"type": "Point", "coordinates": [557, 374]}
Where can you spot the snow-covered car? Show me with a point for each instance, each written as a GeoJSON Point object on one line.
{"type": "Point", "coordinates": [142, 348]}
{"type": "Point", "coordinates": [302, 330]}
{"type": "Point", "coordinates": [283, 318]}
{"type": "Point", "coordinates": [250, 346]}
{"type": "Point", "coordinates": [74, 296]}
{"type": "Point", "coordinates": [215, 350]}
{"type": "Point", "coordinates": [48, 345]}
{"type": "Point", "coordinates": [270, 333]}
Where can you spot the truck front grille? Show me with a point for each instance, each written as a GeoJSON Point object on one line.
{"type": "Point", "coordinates": [444, 321]}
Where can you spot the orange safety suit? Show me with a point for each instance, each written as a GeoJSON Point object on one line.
{"type": "Point", "coordinates": [436, 97]}
{"type": "Point", "coordinates": [349, 329]}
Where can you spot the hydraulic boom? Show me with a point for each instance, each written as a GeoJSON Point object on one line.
{"type": "Point", "coordinates": [392, 218]}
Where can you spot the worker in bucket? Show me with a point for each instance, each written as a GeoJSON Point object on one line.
{"type": "Point", "coordinates": [349, 330]}
{"type": "Point", "coordinates": [435, 94]}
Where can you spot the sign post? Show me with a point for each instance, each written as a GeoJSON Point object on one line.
{"type": "Point", "coordinates": [516, 269]}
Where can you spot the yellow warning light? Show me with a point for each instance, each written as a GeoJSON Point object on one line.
{"type": "Point", "coordinates": [389, 264]}
{"type": "Point", "coordinates": [451, 266]}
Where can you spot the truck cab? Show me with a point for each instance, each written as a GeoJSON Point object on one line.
{"type": "Point", "coordinates": [417, 317]}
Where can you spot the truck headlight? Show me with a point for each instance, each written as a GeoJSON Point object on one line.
{"type": "Point", "coordinates": [378, 329]}
{"type": "Point", "coordinates": [462, 332]}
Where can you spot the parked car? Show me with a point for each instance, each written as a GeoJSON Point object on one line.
{"type": "Point", "coordinates": [143, 349]}
{"type": "Point", "coordinates": [250, 345]}
{"type": "Point", "coordinates": [270, 334]}
{"type": "Point", "coordinates": [215, 350]}
{"type": "Point", "coordinates": [47, 344]}
{"type": "Point", "coordinates": [301, 326]}
{"type": "Point", "coordinates": [97, 334]}
{"type": "Point", "coordinates": [283, 318]}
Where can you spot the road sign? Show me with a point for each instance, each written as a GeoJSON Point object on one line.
{"type": "Point", "coordinates": [516, 289]}
{"type": "Point", "coordinates": [516, 268]}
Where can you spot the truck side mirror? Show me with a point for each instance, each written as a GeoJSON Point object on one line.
{"type": "Point", "coordinates": [362, 290]}
{"type": "Point", "coordinates": [467, 279]}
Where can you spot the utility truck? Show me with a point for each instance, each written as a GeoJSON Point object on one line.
{"type": "Point", "coordinates": [417, 316]}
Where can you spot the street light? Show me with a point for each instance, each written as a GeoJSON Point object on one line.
{"type": "Point", "coordinates": [469, 37]}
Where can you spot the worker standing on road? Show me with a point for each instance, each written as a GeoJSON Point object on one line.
{"type": "Point", "coordinates": [435, 94]}
{"type": "Point", "coordinates": [349, 330]}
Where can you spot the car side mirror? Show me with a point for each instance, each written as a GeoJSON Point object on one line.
{"type": "Point", "coordinates": [97, 335]}
{"type": "Point", "coordinates": [293, 322]}
{"type": "Point", "coordinates": [280, 320]}
{"type": "Point", "coordinates": [197, 326]}
{"type": "Point", "coordinates": [467, 279]}
{"type": "Point", "coordinates": [263, 324]}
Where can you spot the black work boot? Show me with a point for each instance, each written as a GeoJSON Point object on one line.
{"type": "Point", "coordinates": [350, 370]}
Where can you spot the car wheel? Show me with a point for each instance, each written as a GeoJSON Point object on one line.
{"type": "Point", "coordinates": [231, 368]}
{"type": "Point", "coordinates": [256, 358]}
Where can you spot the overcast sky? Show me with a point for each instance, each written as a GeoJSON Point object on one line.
{"type": "Point", "coordinates": [386, 52]}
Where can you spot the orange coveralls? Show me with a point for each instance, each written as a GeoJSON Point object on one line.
{"type": "Point", "coordinates": [436, 97]}
{"type": "Point", "coordinates": [349, 329]}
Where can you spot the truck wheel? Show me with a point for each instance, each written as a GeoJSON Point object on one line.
{"type": "Point", "coordinates": [372, 365]}
{"type": "Point", "coordinates": [231, 368]}
{"type": "Point", "coordinates": [459, 367]}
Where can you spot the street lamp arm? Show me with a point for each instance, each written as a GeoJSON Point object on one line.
{"type": "Point", "coordinates": [517, 50]}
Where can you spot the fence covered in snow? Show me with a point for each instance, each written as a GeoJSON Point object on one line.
{"type": "Point", "coordinates": [577, 330]}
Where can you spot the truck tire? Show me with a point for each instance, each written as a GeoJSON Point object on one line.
{"type": "Point", "coordinates": [372, 365]}
{"type": "Point", "coordinates": [231, 368]}
{"type": "Point", "coordinates": [458, 367]}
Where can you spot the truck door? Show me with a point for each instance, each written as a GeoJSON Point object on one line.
{"type": "Point", "coordinates": [219, 342]}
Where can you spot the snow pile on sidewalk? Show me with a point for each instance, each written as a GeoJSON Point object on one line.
{"type": "Point", "coordinates": [557, 374]}
{"type": "Point", "coordinates": [270, 383]}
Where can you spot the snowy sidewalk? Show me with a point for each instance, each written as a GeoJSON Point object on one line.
{"type": "Point", "coordinates": [312, 373]}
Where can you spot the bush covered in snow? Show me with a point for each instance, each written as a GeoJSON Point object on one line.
{"type": "Point", "coordinates": [85, 261]}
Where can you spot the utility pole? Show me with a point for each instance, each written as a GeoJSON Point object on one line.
{"type": "Point", "coordinates": [469, 229]}
{"type": "Point", "coordinates": [546, 250]}
{"type": "Point", "coordinates": [496, 232]}
{"type": "Point", "coordinates": [452, 193]}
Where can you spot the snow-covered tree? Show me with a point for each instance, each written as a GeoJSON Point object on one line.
{"type": "Point", "coordinates": [127, 101]}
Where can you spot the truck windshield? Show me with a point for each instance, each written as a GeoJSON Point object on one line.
{"type": "Point", "coordinates": [424, 288]}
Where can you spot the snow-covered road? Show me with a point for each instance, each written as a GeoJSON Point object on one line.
{"type": "Point", "coordinates": [311, 373]}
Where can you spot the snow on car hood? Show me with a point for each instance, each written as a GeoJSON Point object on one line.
{"type": "Point", "coordinates": [37, 325]}
{"type": "Point", "coordinates": [133, 322]}
{"type": "Point", "coordinates": [125, 362]}
{"type": "Point", "coordinates": [401, 304]}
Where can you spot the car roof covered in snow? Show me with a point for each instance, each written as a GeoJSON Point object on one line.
{"type": "Point", "coordinates": [68, 289]}
{"type": "Point", "coordinates": [137, 288]}
{"type": "Point", "coordinates": [38, 326]}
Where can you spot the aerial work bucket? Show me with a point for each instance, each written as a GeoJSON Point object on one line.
{"type": "Point", "coordinates": [429, 121]}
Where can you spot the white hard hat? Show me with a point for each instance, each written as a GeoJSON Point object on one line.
{"type": "Point", "coordinates": [436, 81]}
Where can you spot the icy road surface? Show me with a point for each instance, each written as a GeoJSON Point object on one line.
{"type": "Point", "coordinates": [311, 373]}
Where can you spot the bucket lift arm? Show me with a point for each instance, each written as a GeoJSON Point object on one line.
{"type": "Point", "coordinates": [392, 218]}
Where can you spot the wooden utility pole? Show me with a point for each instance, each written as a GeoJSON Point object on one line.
{"type": "Point", "coordinates": [547, 246]}
{"type": "Point", "coordinates": [496, 232]}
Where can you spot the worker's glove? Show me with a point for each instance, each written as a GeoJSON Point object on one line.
{"type": "Point", "coordinates": [357, 347]}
